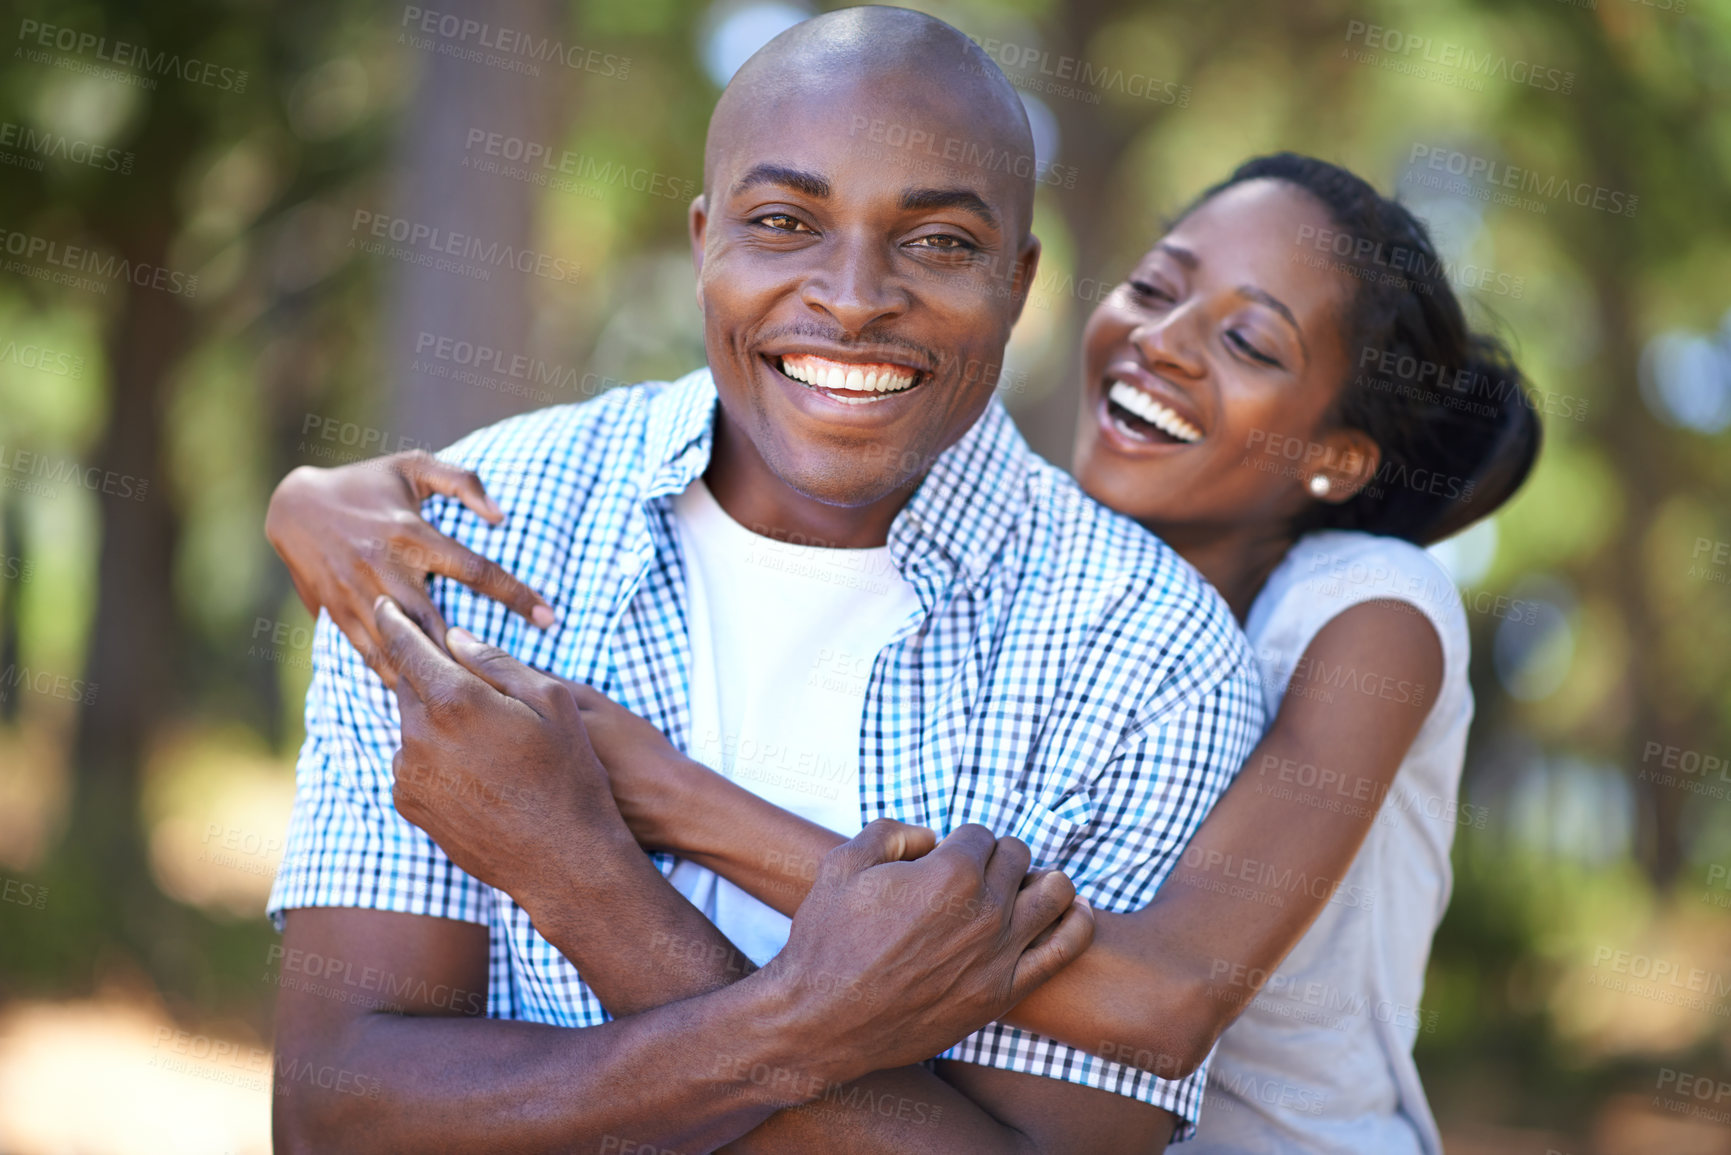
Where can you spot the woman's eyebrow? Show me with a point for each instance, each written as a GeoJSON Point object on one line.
{"type": "Point", "coordinates": [1279, 306]}
{"type": "Point", "coordinates": [1189, 260]}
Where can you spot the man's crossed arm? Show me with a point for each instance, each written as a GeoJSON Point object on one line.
{"type": "Point", "coordinates": [895, 955]}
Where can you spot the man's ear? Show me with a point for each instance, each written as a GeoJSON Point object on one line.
{"type": "Point", "coordinates": [1027, 261]}
{"type": "Point", "coordinates": [1349, 462]}
{"type": "Point", "coordinates": [698, 221]}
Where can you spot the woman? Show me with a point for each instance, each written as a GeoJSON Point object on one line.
{"type": "Point", "coordinates": [1290, 413]}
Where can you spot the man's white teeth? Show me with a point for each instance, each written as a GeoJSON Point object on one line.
{"type": "Point", "coordinates": [1129, 397]}
{"type": "Point", "coordinates": [838, 375]}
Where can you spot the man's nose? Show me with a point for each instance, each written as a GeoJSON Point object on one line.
{"type": "Point", "coordinates": [856, 286]}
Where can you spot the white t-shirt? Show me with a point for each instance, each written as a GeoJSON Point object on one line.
{"type": "Point", "coordinates": [783, 641]}
{"type": "Point", "coordinates": [1321, 1060]}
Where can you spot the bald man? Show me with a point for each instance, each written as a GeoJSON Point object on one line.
{"type": "Point", "coordinates": [838, 481]}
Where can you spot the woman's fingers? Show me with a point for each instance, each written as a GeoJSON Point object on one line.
{"type": "Point", "coordinates": [428, 475]}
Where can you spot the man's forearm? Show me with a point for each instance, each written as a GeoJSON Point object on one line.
{"type": "Point", "coordinates": [677, 1077]}
{"type": "Point", "coordinates": [620, 902]}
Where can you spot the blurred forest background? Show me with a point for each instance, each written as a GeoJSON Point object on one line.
{"type": "Point", "coordinates": [199, 290]}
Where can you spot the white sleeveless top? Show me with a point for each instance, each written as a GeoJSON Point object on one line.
{"type": "Point", "coordinates": [1321, 1060]}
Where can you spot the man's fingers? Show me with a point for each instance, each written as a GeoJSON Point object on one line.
{"type": "Point", "coordinates": [971, 842]}
{"type": "Point", "coordinates": [1054, 949]}
{"type": "Point", "coordinates": [883, 840]}
{"type": "Point", "coordinates": [499, 669]}
{"type": "Point", "coordinates": [421, 611]}
{"type": "Point", "coordinates": [1006, 870]}
{"type": "Point", "coordinates": [412, 653]}
{"type": "Point", "coordinates": [447, 557]}
{"type": "Point", "coordinates": [359, 631]}
{"type": "Point", "coordinates": [428, 475]}
{"type": "Point", "coordinates": [1040, 903]}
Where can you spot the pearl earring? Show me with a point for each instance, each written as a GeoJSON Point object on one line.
{"type": "Point", "coordinates": [1318, 485]}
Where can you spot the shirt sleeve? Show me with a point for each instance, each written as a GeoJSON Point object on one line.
{"type": "Point", "coordinates": [1118, 844]}
{"type": "Point", "coordinates": [347, 845]}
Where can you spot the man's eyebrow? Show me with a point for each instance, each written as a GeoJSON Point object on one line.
{"type": "Point", "coordinates": [917, 199]}
{"type": "Point", "coordinates": [799, 180]}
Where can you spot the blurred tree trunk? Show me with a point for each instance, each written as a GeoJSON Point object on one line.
{"type": "Point", "coordinates": [133, 658]}
{"type": "Point", "coordinates": [456, 97]}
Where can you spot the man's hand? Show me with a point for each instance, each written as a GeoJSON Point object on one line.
{"type": "Point", "coordinates": [495, 764]}
{"type": "Point", "coordinates": [353, 533]}
{"type": "Point", "coordinates": [925, 951]}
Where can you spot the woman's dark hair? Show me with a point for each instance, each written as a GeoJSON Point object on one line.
{"type": "Point", "coordinates": [1447, 407]}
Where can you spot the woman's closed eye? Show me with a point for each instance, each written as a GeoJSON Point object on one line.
{"type": "Point", "coordinates": [1150, 292]}
{"type": "Point", "coordinates": [1243, 345]}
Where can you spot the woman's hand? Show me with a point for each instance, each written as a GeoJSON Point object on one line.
{"type": "Point", "coordinates": [653, 783]}
{"type": "Point", "coordinates": [354, 532]}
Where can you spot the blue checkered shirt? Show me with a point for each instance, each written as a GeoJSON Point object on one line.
{"type": "Point", "coordinates": [1070, 680]}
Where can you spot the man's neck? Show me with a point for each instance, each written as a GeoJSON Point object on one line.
{"type": "Point", "coordinates": [754, 496]}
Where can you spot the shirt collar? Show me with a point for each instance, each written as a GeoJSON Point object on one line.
{"type": "Point", "coordinates": [680, 435]}
{"type": "Point", "coordinates": [958, 517]}
{"type": "Point", "coordinates": [967, 504]}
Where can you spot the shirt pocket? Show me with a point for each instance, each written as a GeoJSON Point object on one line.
{"type": "Point", "coordinates": [1052, 832]}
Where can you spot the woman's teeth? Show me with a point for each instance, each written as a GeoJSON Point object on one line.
{"type": "Point", "coordinates": [1141, 405]}
{"type": "Point", "coordinates": [822, 373]}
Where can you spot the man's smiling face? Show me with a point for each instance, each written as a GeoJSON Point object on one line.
{"type": "Point", "coordinates": [857, 295]}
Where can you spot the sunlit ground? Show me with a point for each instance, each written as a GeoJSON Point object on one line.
{"type": "Point", "coordinates": [117, 1078]}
